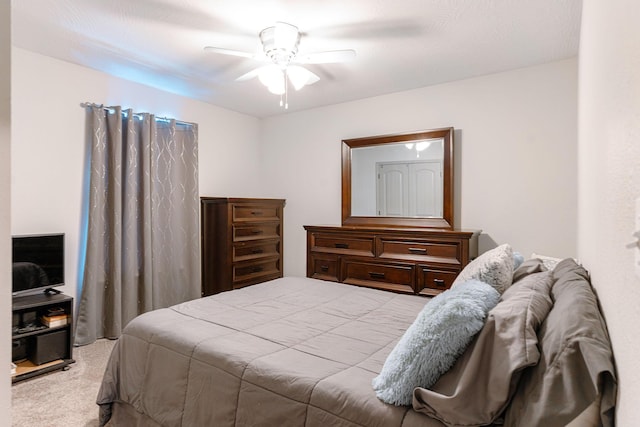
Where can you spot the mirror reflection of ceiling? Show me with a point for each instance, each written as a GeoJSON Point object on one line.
{"type": "Point", "coordinates": [400, 45]}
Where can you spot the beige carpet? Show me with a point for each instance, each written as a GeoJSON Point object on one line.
{"type": "Point", "coordinates": [63, 398]}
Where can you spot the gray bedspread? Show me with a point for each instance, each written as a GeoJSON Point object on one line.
{"type": "Point", "coordinates": [289, 352]}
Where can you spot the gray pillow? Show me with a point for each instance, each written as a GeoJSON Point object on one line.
{"type": "Point", "coordinates": [494, 267]}
{"type": "Point", "coordinates": [432, 343]}
{"type": "Point", "coordinates": [576, 371]}
{"type": "Point", "coordinates": [481, 383]}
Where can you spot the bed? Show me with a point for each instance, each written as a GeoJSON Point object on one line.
{"type": "Point", "coordinates": [303, 352]}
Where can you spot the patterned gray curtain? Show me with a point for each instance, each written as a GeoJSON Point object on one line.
{"type": "Point", "coordinates": [142, 246]}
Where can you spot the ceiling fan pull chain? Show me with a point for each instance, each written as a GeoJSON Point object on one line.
{"type": "Point", "coordinates": [282, 94]}
{"type": "Point", "coordinates": [286, 90]}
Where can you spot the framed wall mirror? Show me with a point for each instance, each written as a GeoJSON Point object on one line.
{"type": "Point", "coordinates": [400, 180]}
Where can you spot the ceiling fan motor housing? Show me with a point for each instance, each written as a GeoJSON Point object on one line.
{"type": "Point", "coordinates": [280, 42]}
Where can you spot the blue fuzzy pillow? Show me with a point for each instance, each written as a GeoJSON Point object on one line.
{"type": "Point", "coordinates": [436, 338]}
{"type": "Point", "coordinates": [518, 259]}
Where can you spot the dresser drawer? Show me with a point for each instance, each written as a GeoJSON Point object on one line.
{"type": "Point", "coordinates": [343, 244]}
{"type": "Point", "coordinates": [247, 213]}
{"type": "Point", "coordinates": [389, 276]}
{"type": "Point", "coordinates": [325, 267]}
{"type": "Point", "coordinates": [245, 251]}
{"type": "Point", "coordinates": [413, 250]}
{"type": "Point", "coordinates": [432, 281]}
{"type": "Point", "coordinates": [243, 233]}
{"type": "Point", "coordinates": [256, 271]}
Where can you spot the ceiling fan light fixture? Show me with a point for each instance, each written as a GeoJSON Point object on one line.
{"type": "Point", "coordinates": [300, 77]}
{"type": "Point", "coordinates": [422, 145]}
{"type": "Point", "coordinates": [277, 88]}
{"type": "Point", "coordinates": [280, 42]}
{"type": "Point", "coordinates": [272, 76]}
{"type": "Point", "coordinates": [280, 46]}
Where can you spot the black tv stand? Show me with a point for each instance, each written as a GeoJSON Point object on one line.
{"type": "Point", "coordinates": [52, 291]}
{"type": "Point", "coordinates": [37, 347]}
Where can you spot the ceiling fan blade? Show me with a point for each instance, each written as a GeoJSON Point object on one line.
{"type": "Point", "coordinates": [252, 74]}
{"type": "Point", "coordinates": [326, 57]}
{"type": "Point", "coordinates": [229, 52]}
{"type": "Point", "coordinates": [373, 30]}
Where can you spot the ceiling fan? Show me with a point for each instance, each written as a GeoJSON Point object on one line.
{"type": "Point", "coordinates": [280, 48]}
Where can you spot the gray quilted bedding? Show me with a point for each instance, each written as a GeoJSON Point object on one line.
{"type": "Point", "coordinates": [289, 352]}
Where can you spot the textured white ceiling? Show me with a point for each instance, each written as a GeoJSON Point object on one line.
{"type": "Point", "coordinates": [401, 45]}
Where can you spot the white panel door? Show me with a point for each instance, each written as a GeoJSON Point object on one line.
{"type": "Point", "coordinates": [425, 189]}
{"type": "Point", "coordinates": [409, 189]}
{"type": "Point", "coordinates": [393, 189]}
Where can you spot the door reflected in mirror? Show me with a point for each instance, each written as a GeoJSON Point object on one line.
{"type": "Point", "coordinates": [398, 180]}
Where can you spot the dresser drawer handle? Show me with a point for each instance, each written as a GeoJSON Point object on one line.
{"type": "Point", "coordinates": [438, 282]}
{"type": "Point", "coordinates": [257, 269]}
{"type": "Point", "coordinates": [257, 231]}
{"type": "Point", "coordinates": [324, 268]}
{"type": "Point", "coordinates": [257, 213]}
{"type": "Point", "coordinates": [256, 251]}
{"type": "Point", "coordinates": [418, 250]}
{"type": "Point", "coordinates": [376, 275]}
{"type": "Point", "coordinates": [342, 246]}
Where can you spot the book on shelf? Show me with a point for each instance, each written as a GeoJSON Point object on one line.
{"type": "Point", "coordinates": [13, 368]}
{"type": "Point", "coordinates": [53, 321]}
{"type": "Point", "coordinates": [55, 311]}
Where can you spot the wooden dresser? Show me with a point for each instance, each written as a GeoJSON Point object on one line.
{"type": "Point", "coordinates": [413, 261]}
{"type": "Point", "coordinates": [241, 242]}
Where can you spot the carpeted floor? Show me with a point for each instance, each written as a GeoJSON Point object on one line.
{"type": "Point", "coordinates": [63, 398]}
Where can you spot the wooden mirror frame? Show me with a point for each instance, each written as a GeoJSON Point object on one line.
{"type": "Point", "coordinates": [446, 222]}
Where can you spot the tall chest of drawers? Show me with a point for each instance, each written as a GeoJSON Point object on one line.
{"type": "Point", "coordinates": [412, 261]}
{"type": "Point", "coordinates": [241, 242]}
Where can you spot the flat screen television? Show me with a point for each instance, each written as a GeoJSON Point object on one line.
{"type": "Point", "coordinates": [38, 263]}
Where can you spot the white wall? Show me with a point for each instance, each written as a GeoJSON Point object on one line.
{"type": "Point", "coordinates": [504, 123]}
{"type": "Point", "coordinates": [609, 179]}
{"type": "Point", "coordinates": [5, 208]}
{"type": "Point", "coordinates": [48, 151]}
{"type": "Point", "coordinates": [515, 156]}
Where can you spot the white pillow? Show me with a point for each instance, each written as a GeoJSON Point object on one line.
{"type": "Point", "coordinates": [548, 261]}
{"type": "Point", "coordinates": [434, 341]}
{"type": "Point", "coordinates": [494, 267]}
